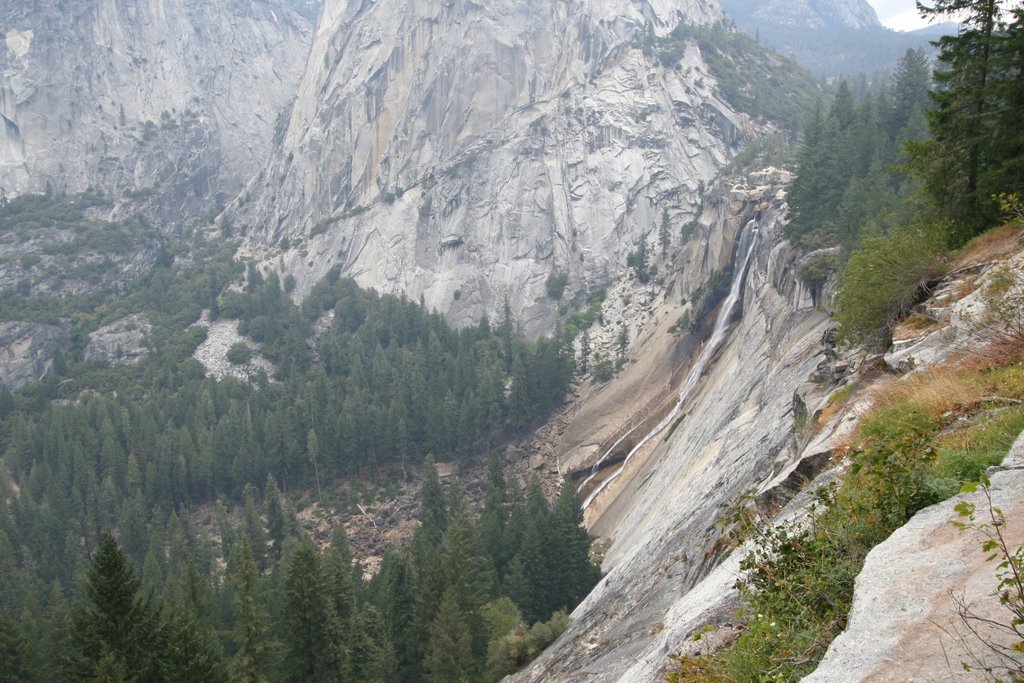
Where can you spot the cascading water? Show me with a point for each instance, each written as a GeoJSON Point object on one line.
{"type": "Point", "coordinates": [743, 254]}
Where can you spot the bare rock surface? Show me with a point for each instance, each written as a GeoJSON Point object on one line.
{"type": "Point", "coordinates": [464, 151]}
{"type": "Point", "coordinates": [811, 14]}
{"type": "Point", "coordinates": [27, 351]}
{"type": "Point", "coordinates": [122, 342]}
{"type": "Point", "coordinates": [171, 101]}
{"type": "Point", "coordinates": [963, 324]}
{"type": "Point", "coordinates": [904, 623]}
{"type": "Point", "coordinates": [221, 334]}
{"type": "Point", "coordinates": [665, 576]}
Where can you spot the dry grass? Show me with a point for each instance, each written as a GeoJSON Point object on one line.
{"type": "Point", "coordinates": [956, 387]}
{"type": "Point", "coordinates": [914, 326]}
{"type": "Point", "coordinates": [934, 392]}
{"type": "Point", "coordinates": [996, 244]}
{"type": "Point", "coordinates": [837, 400]}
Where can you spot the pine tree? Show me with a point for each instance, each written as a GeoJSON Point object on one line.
{"type": "Point", "coordinates": [494, 517]}
{"type": "Point", "coordinates": [975, 124]}
{"type": "Point", "coordinates": [520, 406]}
{"type": "Point", "coordinates": [533, 574]}
{"type": "Point", "coordinates": [15, 656]}
{"type": "Point", "coordinates": [277, 522]}
{"type": "Point", "coordinates": [665, 232]}
{"type": "Point", "coordinates": [311, 638]}
{"type": "Point", "coordinates": [449, 657]}
{"type": "Point", "coordinates": [118, 630]}
{"type": "Point", "coordinates": [577, 574]}
{"type": "Point", "coordinates": [190, 652]}
{"type": "Point", "coordinates": [249, 636]}
{"type": "Point", "coordinates": [340, 577]}
{"type": "Point", "coordinates": [433, 513]}
{"type": "Point", "coordinates": [399, 605]}
{"type": "Point", "coordinates": [373, 659]}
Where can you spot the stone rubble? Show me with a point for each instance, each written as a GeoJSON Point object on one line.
{"type": "Point", "coordinates": [212, 353]}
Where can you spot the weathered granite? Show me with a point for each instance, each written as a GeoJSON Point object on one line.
{"type": "Point", "coordinates": [170, 104]}
{"type": "Point", "coordinates": [28, 351]}
{"type": "Point", "coordinates": [122, 342]}
{"type": "Point", "coordinates": [904, 624]}
{"type": "Point", "coordinates": [468, 147]}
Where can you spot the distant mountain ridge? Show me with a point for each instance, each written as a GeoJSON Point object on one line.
{"type": "Point", "coordinates": [810, 14]}
{"type": "Point", "coordinates": [828, 37]}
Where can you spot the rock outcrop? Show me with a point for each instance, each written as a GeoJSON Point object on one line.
{"type": "Point", "coordinates": [28, 351]}
{"type": "Point", "coordinates": [122, 342]}
{"type": "Point", "coordinates": [169, 104]}
{"type": "Point", "coordinates": [905, 623]}
{"type": "Point", "coordinates": [221, 334]}
{"type": "Point", "coordinates": [464, 151]}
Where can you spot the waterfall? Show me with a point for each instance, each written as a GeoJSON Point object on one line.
{"type": "Point", "coordinates": [744, 252]}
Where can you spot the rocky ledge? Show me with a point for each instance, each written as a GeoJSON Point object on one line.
{"type": "Point", "coordinates": [926, 605]}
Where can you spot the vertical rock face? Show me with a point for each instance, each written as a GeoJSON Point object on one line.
{"type": "Point", "coordinates": [175, 100]}
{"type": "Point", "coordinates": [463, 150]}
{"type": "Point", "coordinates": [734, 434]}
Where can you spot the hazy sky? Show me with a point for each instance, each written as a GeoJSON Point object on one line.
{"type": "Point", "coordinates": [898, 14]}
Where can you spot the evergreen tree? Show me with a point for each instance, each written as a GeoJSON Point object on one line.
{"type": "Point", "coordinates": [373, 659]}
{"type": "Point", "coordinates": [340, 590]}
{"type": "Point", "coordinates": [311, 638]}
{"type": "Point", "coordinates": [976, 140]}
{"type": "Point", "coordinates": [118, 631]}
{"type": "Point", "coordinates": [433, 513]}
{"type": "Point", "coordinates": [449, 657]}
{"type": "Point", "coordinates": [665, 232]}
{"type": "Point", "coordinates": [577, 574]}
{"type": "Point", "coordinates": [248, 664]}
{"type": "Point", "coordinates": [15, 657]}
{"type": "Point", "coordinates": [494, 517]}
{"type": "Point", "coordinates": [277, 521]}
{"type": "Point", "coordinates": [399, 605]}
{"type": "Point", "coordinates": [190, 652]}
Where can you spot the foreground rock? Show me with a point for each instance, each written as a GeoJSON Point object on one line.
{"type": "Point", "coordinates": [28, 352]}
{"type": "Point", "coordinates": [904, 624]}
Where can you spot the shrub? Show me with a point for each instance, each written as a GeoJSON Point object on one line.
{"type": "Point", "coordinates": [556, 283]}
{"type": "Point", "coordinates": [882, 280]}
{"type": "Point", "coordinates": [604, 370]}
{"type": "Point", "coordinates": [509, 653]}
{"type": "Point", "coordinates": [239, 353]}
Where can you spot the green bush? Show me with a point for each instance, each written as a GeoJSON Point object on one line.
{"type": "Point", "coordinates": [883, 279]}
{"type": "Point", "coordinates": [239, 353]}
{"type": "Point", "coordinates": [556, 284]}
{"type": "Point", "coordinates": [511, 652]}
{"type": "Point", "coordinates": [604, 370]}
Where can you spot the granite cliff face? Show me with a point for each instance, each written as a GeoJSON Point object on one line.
{"type": "Point", "coordinates": [464, 151]}
{"type": "Point", "coordinates": [169, 105]}
{"type": "Point", "coordinates": [734, 433]}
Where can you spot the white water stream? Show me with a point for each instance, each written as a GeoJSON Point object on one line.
{"type": "Point", "coordinates": [746, 249]}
